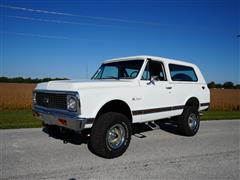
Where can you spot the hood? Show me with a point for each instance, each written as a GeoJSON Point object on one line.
{"type": "Point", "coordinates": [74, 85]}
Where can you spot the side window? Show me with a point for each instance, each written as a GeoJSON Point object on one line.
{"type": "Point", "coordinates": [154, 69]}
{"type": "Point", "coordinates": [182, 73]}
{"type": "Point", "coordinates": [132, 73]}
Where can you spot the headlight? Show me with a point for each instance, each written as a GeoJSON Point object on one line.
{"type": "Point", "coordinates": [34, 100]}
{"type": "Point", "coordinates": [72, 104]}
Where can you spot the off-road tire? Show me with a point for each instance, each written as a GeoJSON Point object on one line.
{"type": "Point", "coordinates": [98, 138]}
{"type": "Point", "coordinates": [183, 121]}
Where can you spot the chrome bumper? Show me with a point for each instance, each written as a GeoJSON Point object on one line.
{"type": "Point", "coordinates": [53, 117]}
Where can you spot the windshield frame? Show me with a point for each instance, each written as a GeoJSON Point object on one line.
{"type": "Point", "coordinates": [103, 65]}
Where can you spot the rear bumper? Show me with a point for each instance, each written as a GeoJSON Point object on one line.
{"type": "Point", "coordinates": [53, 117]}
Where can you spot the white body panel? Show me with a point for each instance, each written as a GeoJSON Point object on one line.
{"type": "Point", "coordinates": [137, 94]}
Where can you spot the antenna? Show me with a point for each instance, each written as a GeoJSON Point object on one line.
{"type": "Point", "coordinates": [87, 71]}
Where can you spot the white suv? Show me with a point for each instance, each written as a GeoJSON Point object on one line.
{"type": "Point", "coordinates": [124, 91]}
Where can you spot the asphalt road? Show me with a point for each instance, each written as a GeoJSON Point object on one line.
{"type": "Point", "coordinates": [153, 154]}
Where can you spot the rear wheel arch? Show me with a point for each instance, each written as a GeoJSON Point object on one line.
{"type": "Point", "coordinates": [192, 102]}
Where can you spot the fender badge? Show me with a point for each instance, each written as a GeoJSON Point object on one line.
{"type": "Point", "coordinates": [136, 99]}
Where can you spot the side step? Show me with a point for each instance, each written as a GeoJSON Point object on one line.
{"type": "Point", "coordinates": [152, 125]}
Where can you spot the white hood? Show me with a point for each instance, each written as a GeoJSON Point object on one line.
{"type": "Point", "coordinates": [74, 85]}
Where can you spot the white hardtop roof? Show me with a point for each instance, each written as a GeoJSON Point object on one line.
{"type": "Point", "coordinates": [167, 60]}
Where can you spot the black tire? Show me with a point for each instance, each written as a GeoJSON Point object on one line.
{"type": "Point", "coordinates": [99, 142]}
{"type": "Point", "coordinates": [184, 126]}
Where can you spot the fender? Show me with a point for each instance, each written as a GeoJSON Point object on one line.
{"type": "Point", "coordinates": [106, 101]}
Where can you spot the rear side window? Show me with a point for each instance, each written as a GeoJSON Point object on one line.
{"type": "Point", "coordinates": [182, 73]}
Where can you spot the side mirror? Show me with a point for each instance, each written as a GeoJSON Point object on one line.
{"type": "Point", "coordinates": [152, 80]}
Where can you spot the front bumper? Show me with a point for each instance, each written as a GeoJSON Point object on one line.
{"type": "Point", "coordinates": [66, 120]}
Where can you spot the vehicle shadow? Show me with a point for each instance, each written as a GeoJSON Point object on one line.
{"type": "Point", "coordinates": [167, 125]}
{"type": "Point", "coordinates": [138, 131]}
{"type": "Point", "coordinates": [66, 136]}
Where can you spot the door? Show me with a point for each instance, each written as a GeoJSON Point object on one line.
{"type": "Point", "coordinates": [156, 100]}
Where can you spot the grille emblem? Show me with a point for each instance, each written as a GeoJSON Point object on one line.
{"type": "Point", "coordinates": [46, 100]}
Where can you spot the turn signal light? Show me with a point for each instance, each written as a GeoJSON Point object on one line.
{"type": "Point", "coordinates": [62, 121]}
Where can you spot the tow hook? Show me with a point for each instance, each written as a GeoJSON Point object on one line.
{"type": "Point", "coordinates": [65, 132]}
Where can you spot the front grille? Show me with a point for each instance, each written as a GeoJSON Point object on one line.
{"type": "Point", "coordinates": [51, 100]}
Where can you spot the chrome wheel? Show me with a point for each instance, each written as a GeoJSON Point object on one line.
{"type": "Point", "coordinates": [192, 121]}
{"type": "Point", "coordinates": [116, 136]}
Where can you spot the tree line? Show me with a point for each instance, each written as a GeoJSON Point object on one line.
{"type": "Point", "coordinates": [27, 80]}
{"type": "Point", "coordinates": [225, 85]}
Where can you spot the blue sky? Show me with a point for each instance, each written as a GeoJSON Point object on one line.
{"type": "Point", "coordinates": [70, 38]}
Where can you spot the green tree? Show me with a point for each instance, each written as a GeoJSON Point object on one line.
{"type": "Point", "coordinates": [228, 85]}
{"type": "Point", "coordinates": [211, 85]}
{"type": "Point", "coordinates": [27, 80]}
{"type": "Point", "coordinates": [237, 86]}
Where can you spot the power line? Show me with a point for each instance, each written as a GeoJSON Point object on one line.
{"type": "Point", "coordinates": [44, 36]}
{"type": "Point", "coordinates": [58, 21]}
{"type": "Point", "coordinates": [78, 15]}
{"type": "Point", "coordinates": [35, 10]}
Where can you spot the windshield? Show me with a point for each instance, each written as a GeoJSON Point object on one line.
{"type": "Point", "coordinates": [119, 70]}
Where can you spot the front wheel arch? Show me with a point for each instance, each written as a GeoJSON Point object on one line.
{"type": "Point", "coordinates": [116, 105]}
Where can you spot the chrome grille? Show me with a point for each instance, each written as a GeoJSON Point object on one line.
{"type": "Point", "coordinates": [51, 100]}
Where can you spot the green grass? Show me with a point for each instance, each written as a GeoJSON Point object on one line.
{"type": "Point", "coordinates": [18, 119]}
{"type": "Point", "coordinates": [24, 118]}
{"type": "Point", "coordinates": [218, 115]}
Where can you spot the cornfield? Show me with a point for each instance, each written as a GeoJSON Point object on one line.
{"type": "Point", "coordinates": [225, 99]}
{"type": "Point", "coordinates": [19, 96]}
{"type": "Point", "coordinates": [15, 96]}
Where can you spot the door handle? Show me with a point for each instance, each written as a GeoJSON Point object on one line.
{"type": "Point", "coordinates": [169, 87]}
